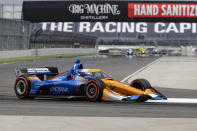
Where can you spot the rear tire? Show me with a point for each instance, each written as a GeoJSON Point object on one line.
{"type": "Point", "coordinates": [22, 88]}
{"type": "Point", "coordinates": [141, 84]}
{"type": "Point", "coordinates": [94, 90]}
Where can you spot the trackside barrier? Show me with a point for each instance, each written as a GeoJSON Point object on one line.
{"type": "Point", "coordinates": [44, 52]}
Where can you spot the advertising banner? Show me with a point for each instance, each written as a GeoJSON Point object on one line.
{"type": "Point", "coordinates": [108, 11]}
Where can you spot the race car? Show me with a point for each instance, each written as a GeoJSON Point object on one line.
{"type": "Point", "coordinates": [131, 52]}
{"type": "Point", "coordinates": [93, 84]}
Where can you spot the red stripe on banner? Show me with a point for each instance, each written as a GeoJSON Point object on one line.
{"type": "Point", "coordinates": [162, 10]}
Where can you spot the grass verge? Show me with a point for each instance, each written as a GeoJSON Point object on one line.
{"type": "Point", "coordinates": [32, 58]}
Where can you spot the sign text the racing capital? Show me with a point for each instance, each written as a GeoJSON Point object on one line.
{"type": "Point", "coordinates": [176, 10]}
{"type": "Point", "coordinates": [94, 11]}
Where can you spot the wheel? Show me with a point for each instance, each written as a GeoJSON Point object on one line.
{"type": "Point", "coordinates": [94, 90]}
{"type": "Point", "coordinates": [22, 87]}
{"type": "Point", "coordinates": [141, 84]}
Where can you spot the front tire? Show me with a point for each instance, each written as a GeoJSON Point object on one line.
{"type": "Point", "coordinates": [94, 90]}
{"type": "Point", "coordinates": [22, 87]}
{"type": "Point", "coordinates": [141, 84]}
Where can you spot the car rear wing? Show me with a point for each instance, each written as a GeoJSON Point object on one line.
{"type": "Point", "coordinates": [36, 71]}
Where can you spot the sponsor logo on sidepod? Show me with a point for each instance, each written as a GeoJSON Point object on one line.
{"type": "Point", "coordinates": [59, 89]}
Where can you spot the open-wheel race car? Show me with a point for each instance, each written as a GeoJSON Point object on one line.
{"type": "Point", "coordinates": [93, 84]}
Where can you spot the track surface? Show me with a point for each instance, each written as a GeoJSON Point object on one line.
{"type": "Point", "coordinates": [117, 66]}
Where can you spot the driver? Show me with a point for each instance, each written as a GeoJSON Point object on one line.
{"type": "Point", "coordinates": [81, 76]}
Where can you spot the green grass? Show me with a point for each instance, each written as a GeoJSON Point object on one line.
{"type": "Point", "coordinates": [32, 58]}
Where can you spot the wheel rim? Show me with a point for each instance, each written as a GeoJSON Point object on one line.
{"type": "Point", "coordinates": [20, 87]}
{"type": "Point", "coordinates": [91, 90]}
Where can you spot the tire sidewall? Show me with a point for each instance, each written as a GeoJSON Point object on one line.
{"type": "Point", "coordinates": [144, 85]}
{"type": "Point", "coordinates": [99, 90]}
{"type": "Point", "coordinates": [26, 93]}
{"type": "Point", "coordinates": [141, 82]}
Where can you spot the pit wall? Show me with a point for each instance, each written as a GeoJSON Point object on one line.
{"type": "Point", "coordinates": [44, 52]}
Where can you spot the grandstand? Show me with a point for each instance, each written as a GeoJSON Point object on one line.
{"type": "Point", "coordinates": [55, 39]}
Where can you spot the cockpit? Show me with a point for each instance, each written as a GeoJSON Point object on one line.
{"type": "Point", "coordinates": [84, 75]}
{"type": "Point", "coordinates": [78, 73]}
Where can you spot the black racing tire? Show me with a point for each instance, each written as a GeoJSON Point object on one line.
{"type": "Point", "coordinates": [141, 84]}
{"type": "Point", "coordinates": [22, 88]}
{"type": "Point", "coordinates": [94, 90]}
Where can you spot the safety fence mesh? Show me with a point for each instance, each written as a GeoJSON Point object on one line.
{"type": "Point", "coordinates": [14, 34]}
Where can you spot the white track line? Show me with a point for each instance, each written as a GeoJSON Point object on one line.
{"type": "Point", "coordinates": [6, 63]}
{"type": "Point", "coordinates": [176, 100]}
{"type": "Point", "coordinates": [3, 63]}
{"type": "Point", "coordinates": [138, 71]}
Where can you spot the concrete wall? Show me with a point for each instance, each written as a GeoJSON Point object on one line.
{"type": "Point", "coordinates": [44, 52]}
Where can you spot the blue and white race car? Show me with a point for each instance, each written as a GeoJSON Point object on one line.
{"type": "Point", "coordinates": [94, 84]}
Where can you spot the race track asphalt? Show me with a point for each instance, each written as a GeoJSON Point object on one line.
{"type": "Point", "coordinates": [117, 66]}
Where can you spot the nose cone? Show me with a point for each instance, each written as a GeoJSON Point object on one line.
{"type": "Point", "coordinates": [123, 89]}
